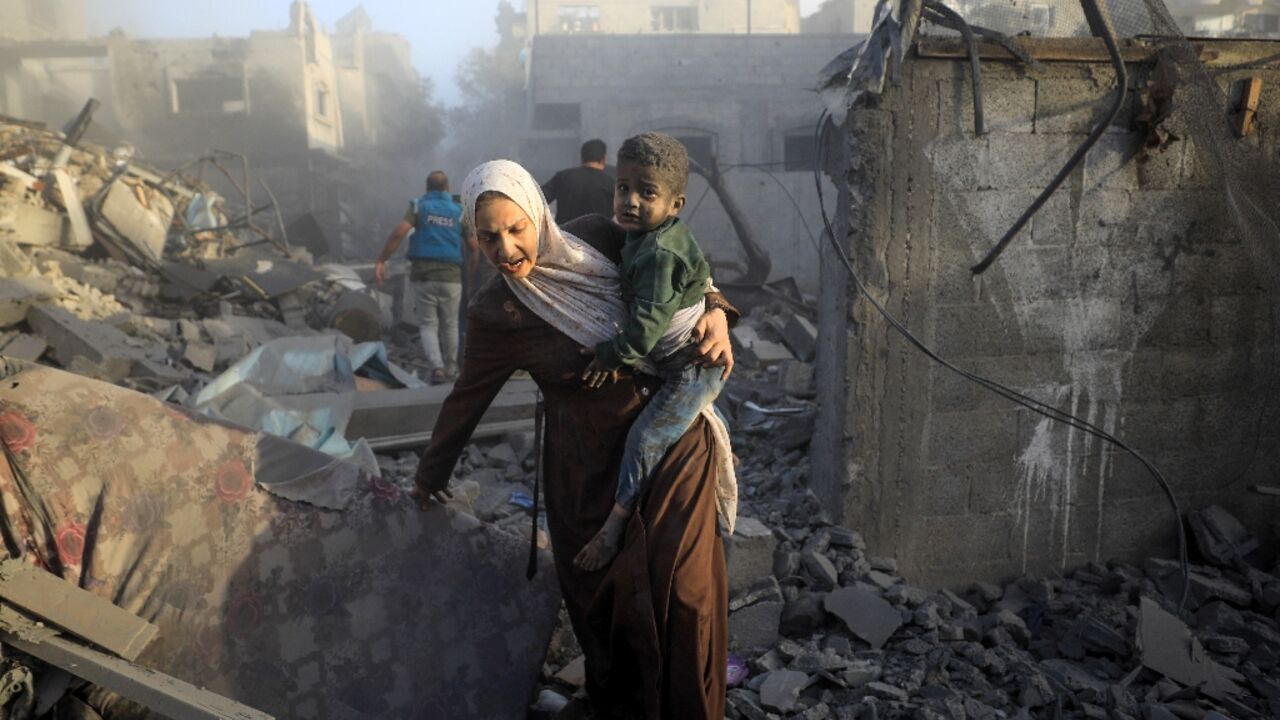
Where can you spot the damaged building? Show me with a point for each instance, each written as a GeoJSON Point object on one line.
{"type": "Point", "coordinates": [1002, 409]}
{"type": "Point", "coordinates": [302, 102]}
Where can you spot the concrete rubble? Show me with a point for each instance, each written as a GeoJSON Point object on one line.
{"type": "Point", "coordinates": [828, 631]}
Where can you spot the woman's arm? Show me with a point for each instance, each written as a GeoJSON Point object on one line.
{"type": "Point", "coordinates": [712, 332]}
{"type": "Point", "coordinates": [487, 364]}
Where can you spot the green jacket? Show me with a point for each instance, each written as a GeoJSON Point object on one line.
{"type": "Point", "coordinates": [662, 271]}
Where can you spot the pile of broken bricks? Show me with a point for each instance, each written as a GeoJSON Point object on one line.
{"type": "Point", "coordinates": [820, 629]}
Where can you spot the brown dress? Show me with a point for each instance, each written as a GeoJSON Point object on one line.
{"type": "Point", "coordinates": [654, 623]}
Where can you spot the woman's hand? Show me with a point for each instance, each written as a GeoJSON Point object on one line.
{"type": "Point", "coordinates": [714, 348]}
{"type": "Point", "coordinates": [426, 498]}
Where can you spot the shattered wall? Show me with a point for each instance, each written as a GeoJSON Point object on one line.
{"type": "Point", "coordinates": [745, 99]}
{"type": "Point", "coordinates": [1132, 300]}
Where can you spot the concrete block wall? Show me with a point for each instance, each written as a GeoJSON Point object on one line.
{"type": "Point", "coordinates": [1132, 300]}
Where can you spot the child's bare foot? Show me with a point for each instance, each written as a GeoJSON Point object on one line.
{"type": "Point", "coordinates": [603, 548]}
{"type": "Point", "coordinates": [597, 554]}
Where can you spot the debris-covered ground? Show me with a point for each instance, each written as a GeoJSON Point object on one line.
{"type": "Point", "coordinates": [115, 271]}
{"type": "Point", "coordinates": [821, 629]}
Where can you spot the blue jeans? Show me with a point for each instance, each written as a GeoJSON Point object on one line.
{"type": "Point", "coordinates": [686, 390]}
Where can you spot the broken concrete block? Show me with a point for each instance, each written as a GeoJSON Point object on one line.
{"type": "Point", "coordinates": [13, 262]}
{"type": "Point", "coordinates": [751, 557]}
{"type": "Point", "coordinates": [503, 455]}
{"type": "Point", "coordinates": [189, 331]}
{"type": "Point", "coordinates": [30, 225]}
{"type": "Point", "coordinates": [756, 625]}
{"type": "Point", "coordinates": [142, 227]}
{"type": "Point", "coordinates": [885, 691]}
{"type": "Point", "coordinates": [1220, 536]}
{"type": "Point", "coordinates": [98, 344]}
{"type": "Point", "coordinates": [575, 673]}
{"type": "Point", "coordinates": [1168, 648]}
{"type": "Point", "coordinates": [804, 615]}
{"type": "Point", "coordinates": [801, 337]}
{"type": "Point", "coordinates": [821, 568]}
{"type": "Point", "coordinates": [18, 294]}
{"type": "Point", "coordinates": [78, 611]}
{"type": "Point", "coordinates": [25, 347]}
{"type": "Point", "coordinates": [1205, 588]}
{"type": "Point", "coordinates": [781, 689]}
{"type": "Point", "coordinates": [860, 673]}
{"type": "Point", "coordinates": [866, 614]}
{"type": "Point", "coordinates": [201, 355]}
{"type": "Point", "coordinates": [756, 350]}
{"type": "Point", "coordinates": [786, 564]}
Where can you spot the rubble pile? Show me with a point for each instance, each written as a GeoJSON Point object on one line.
{"type": "Point", "coordinates": [820, 629]}
{"type": "Point", "coordinates": [113, 270]}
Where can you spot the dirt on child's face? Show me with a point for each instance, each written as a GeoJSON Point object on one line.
{"type": "Point", "coordinates": [642, 199]}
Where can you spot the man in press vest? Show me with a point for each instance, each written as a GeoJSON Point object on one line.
{"type": "Point", "coordinates": [435, 256]}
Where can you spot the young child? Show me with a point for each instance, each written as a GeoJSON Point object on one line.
{"type": "Point", "coordinates": [664, 278]}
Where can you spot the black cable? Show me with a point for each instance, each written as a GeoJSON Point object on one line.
{"type": "Point", "coordinates": [945, 16]}
{"type": "Point", "coordinates": [1122, 82]}
{"type": "Point", "coordinates": [1043, 409]}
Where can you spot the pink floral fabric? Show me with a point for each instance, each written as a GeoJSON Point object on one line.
{"type": "Point", "coordinates": [376, 611]}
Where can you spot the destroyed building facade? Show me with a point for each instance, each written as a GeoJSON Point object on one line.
{"type": "Point", "coordinates": [300, 102]}
{"type": "Point", "coordinates": [1136, 299]}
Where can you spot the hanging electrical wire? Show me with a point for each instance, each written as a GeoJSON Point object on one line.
{"type": "Point", "coordinates": [1030, 403]}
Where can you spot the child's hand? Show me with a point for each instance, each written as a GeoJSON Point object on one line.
{"type": "Point", "coordinates": [596, 374]}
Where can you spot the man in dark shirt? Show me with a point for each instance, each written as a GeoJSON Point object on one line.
{"type": "Point", "coordinates": [583, 190]}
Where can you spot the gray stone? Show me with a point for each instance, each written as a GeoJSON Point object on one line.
{"type": "Point", "coordinates": [756, 625]}
{"type": "Point", "coordinates": [821, 569]}
{"type": "Point", "coordinates": [1225, 644]}
{"type": "Point", "coordinates": [781, 689]}
{"type": "Point", "coordinates": [494, 499]}
{"type": "Point", "coordinates": [752, 554]}
{"type": "Point", "coordinates": [903, 594]}
{"type": "Point", "coordinates": [861, 672]}
{"type": "Point", "coordinates": [24, 347]}
{"type": "Point", "coordinates": [746, 703]}
{"type": "Point", "coordinates": [882, 580]}
{"type": "Point", "coordinates": [18, 294]}
{"type": "Point", "coordinates": [885, 691]}
{"type": "Point", "coordinates": [755, 350]}
{"type": "Point", "coordinates": [96, 344]}
{"type": "Point", "coordinates": [804, 615]}
{"type": "Point", "coordinates": [866, 614]}
{"type": "Point", "coordinates": [1205, 588]}
{"type": "Point", "coordinates": [764, 589]}
{"type": "Point", "coordinates": [13, 262]}
{"type": "Point", "coordinates": [786, 564]}
{"type": "Point", "coordinates": [201, 355]}
{"type": "Point", "coordinates": [502, 455]}
{"type": "Point", "coordinates": [844, 537]}
{"type": "Point", "coordinates": [801, 337]}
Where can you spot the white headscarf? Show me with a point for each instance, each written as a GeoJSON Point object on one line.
{"type": "Point", "coordinates": [575, 289]}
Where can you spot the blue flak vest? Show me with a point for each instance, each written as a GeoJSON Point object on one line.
{"type": "Point", "coordinates": [438, 234]}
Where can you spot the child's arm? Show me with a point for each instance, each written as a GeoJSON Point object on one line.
{"type": "Point", "coordinates": [657, 278]}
